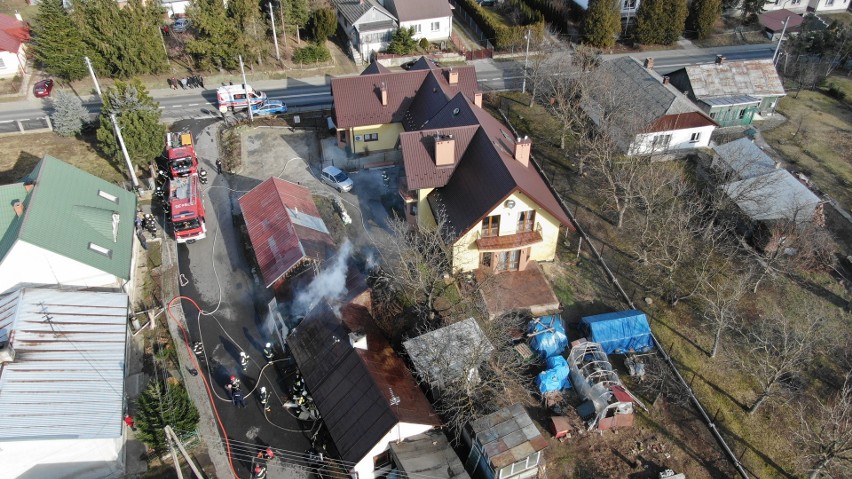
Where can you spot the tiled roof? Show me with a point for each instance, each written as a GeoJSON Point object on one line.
{"type": "Point", "coordinates": [374, 68]}
{"type": "Point", "coordinates": [284, 226]}
{"type": "Point", "coordinates": [67, 379]}
{"type": "Point", "coordinates": [730, 78]}
{"type": "Point", "coordinates": [66, 211]}
{"type": "Point", "coordinates": [12, 34]}
{"type": "Point", "coordinates": [682, 121]}
{"type": "Point", "coordinates": [508, 436]}
{"type": "Point", "coordinates": [410, 10]}
{"type": "Point", "coordinates": [352, 387]}
{"type": "Point", "coordinates": [419, 147]}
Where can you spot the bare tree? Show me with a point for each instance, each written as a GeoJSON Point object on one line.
{"type": "Point", "coordinates": [660, 381]}
{"type": "Point", "coordinates": [543, 50]}
{"type": "Point", "coordinates": [824, 433]}
{"type": "Point", "coordinates": [721, 297]}
{"type": "Point", "coordinates": [777, 348]}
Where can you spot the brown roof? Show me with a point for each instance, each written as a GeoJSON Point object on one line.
{"type": "Point", "coordinates": [407, 10]}
{"type": "Point", "coordinates": [527, 290]}
{"type": "Point", "coordinates": [13, 33]}
{"type": "Point", "coordinates": [680, 121]}
{"type": "Point", "coordinates": [375, 67]}
{"type": "Point", "coordinates": [358, 101]}
{"type": "Point", "coordinates": [421, 170]}
{"type": "Point", "coordinates": [774, 21]}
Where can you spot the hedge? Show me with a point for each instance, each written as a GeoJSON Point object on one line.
{"type": "Point", "coordinates": [504, 37]}
{"type": "Point", "coordinates": [312, 53]}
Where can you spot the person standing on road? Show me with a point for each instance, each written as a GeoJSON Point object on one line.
{"type": "Point", "coordinates": [183, 83]}
{"type": "Point", "coordinates": [239, 401]}
{"type": "Point", "coordinates": [128, 419]}
{"type": "Point", "coordinates": [174, 83]}
{"type": "Point", "coordinates": [219, 166]}
{"type": "Point", "coordinates": [201, 81]}
{"type": "Point", "coordinates": [264, 399]}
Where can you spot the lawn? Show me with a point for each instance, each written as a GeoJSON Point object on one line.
{"type": "Point", "coordinates": [20, 153]}
{"type": "Point", "coordinates": [817, 138]}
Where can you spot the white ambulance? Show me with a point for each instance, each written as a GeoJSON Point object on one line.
{"type": "Point", "coordinates": [236, 97]}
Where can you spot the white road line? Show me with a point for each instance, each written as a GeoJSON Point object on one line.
{"type": "Point", "coordinates": [193, 104]}
{"type": "Point", "coordinates": [176, 106]}
{"type": "Point", "coordinates": [304, 95]}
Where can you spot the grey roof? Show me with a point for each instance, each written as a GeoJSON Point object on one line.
{"type": "Point", "coordinates": [452, 350]}
{"type": "Point", "coordinates": [773, 196]}
{"type": "Point", "coordinates": [508, 436]}
{"type": "Point", "coordinates": [730, 100]}
{"type": "Point", "coordinates": [742, 159]}
{"type": "Point", "coordinates": [67, 378]}
{"type": "Point", "coordinates": [730, 78]}
{"type": "Point", "coordinates": [428, 455]}
{"type": "Point", "coordinates": [410, 10]}
{"type": "Point", "coordinates": [380, 26]}
{"type": "Point", "coordinates": [353, 10]}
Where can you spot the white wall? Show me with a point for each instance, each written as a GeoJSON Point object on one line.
{"type": "Point", "coordinates": [11, 64]}
{"type": "Point", "coordinates": [798, 6]}
{"type": "Point", "coordinates": [176, 8]}
{"type": "Point", "coordinates": [26, 263]}
{"type": "Point", "coordinates": [63, 458]}
{"type": "Point", "coordinates": [625, 6]}
{"type": "Point", "coordinates": [680, 140]}
{"type": "Point", "coordinates": [441, 34]}
{"type": "Point", "coordinates": [823, 5]}
{"type": "Point", "coordinates": [364, 468]}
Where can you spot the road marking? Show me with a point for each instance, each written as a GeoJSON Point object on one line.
{"type": "Point", "coordinates": [176, 106]}
{"type": "Point", "coordinates": [193, 104]}
{"type": "Point", "coordinates": [304, 95]}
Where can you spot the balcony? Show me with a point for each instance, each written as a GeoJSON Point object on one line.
{"type": "Point", "coordinates": [517, 240]}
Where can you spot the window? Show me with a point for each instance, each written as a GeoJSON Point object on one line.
{"type": "Point", "coordinates": [661, 142]}
{"type": "Point", "coordinates": [100, 250]}
{"type": "Point", "coordinates": [526, 221]}
{"type": "Point", "coordinates": [485, 260]}
{"type": "Point", "coordinates": [436, 26]}
{"type": "Point", "coordinates": [509, 260]}
{"type": "Point", "coordinates": [103, 194]}
{"type": "Point", "coordinates": [695, 137]}
{"type": "Point", "coordinates": [371, 137]}
{"type": "Point", "coordinates": [713, 115]}
{"type": "Point", "coordinates": [416, 28]}
{"type": "Point", "coordinates": [382, 460]}
{"type": "Point", "coordinates": [629, 5]}
{"type": "Point", "coordinates": [491, 226]}
{"type": "Point", "coordinates": [2, 64]}
{"type": "Point", "coordinates": [829, 3]}
{"type": "Point", "coordinates": [742, 114]}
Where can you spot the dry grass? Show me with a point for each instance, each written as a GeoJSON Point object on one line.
{"type": "Point", "coordinates": [20, 153]}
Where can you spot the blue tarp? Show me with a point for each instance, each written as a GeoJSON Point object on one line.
{"type": "Point", "coordinates": [548, 343]}
{"type": "Point", "coordinates": [619, 332]}
{"type": "Point", "coordinates": [555, 377]}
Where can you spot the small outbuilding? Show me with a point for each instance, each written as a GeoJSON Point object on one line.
{"type": "Point", "coordinates": [505, 444]}
{"type": "Point", "coordinates": [426, 455]}
{"type": "Point", "coordinates": [449, 353]}
{"type": "Point", "coordinates": [620, 332]}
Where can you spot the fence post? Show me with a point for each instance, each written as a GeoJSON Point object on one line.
{"type": "Point", "coordinates": [20, 125]}
{"type": "Point", "coordinates": [49, 123]}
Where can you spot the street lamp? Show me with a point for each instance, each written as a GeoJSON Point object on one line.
{"type": "Point", "coordinates": [526, 58]}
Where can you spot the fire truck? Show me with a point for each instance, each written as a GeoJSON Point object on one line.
{"type": "Point", "coordinates": [180, 154]}
{"type": "Point", "coordinates": [186, 208]}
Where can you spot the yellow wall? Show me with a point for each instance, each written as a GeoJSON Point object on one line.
{"type": "Point", "coordinates": [466, 256]}
{"type": "Point", "coordinates": [388, 136]}
{"type": "Point", "coordinates": [425, 218]}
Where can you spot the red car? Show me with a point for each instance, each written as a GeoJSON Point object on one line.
{"type": "Point", "coordinates": [43, 88]}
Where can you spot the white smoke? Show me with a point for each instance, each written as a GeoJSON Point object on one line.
{"type": "Point", "coordinates": [328, 285]}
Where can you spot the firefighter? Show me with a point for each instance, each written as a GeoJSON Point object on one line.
{"type": "Point", "coordinates": [264, 398]}
{"type": "Point", "coordinates": [268, 352]}
{"type": "Point", "coordinates": [244, 360]}
{"type": "Point", "coordinates": [259, 472]}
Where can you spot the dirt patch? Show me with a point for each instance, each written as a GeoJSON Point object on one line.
{"type": "Point", "coordinates": [10, 86]}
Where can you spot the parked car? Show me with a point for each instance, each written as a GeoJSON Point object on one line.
{"type": "Point", "coordinates": [269, 107]}
{"type": "Point", "coordinates": [407, 65]}
{"type": "Point", "coordinates": [336, 178]}
{"type": "Point", "coordinates": [180, 25]}
{"type": "Point", "coordinates": [43, 88]}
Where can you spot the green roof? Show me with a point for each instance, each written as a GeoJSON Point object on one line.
{"type": "Point", "coordinates": [70, 212]}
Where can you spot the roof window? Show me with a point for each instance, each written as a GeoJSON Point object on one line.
{"type": "Point", "coordinates": [100, 250]}
{"type": "Point", "coordinates": [107, 196]}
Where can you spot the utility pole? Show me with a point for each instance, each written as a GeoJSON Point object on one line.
{"type": "Point", "coordinates": [195, 470]}
{"type": "Point", "coordinates": [174, 454]}
{"type": "Point", "coordinates": [94, 78]}
{"type": "Point", "coordinates": [526, 57]}
{"type": "Point", "coordinates": [124, 150]}
{"type": "Point", "coordinates": [778, 47]}
{"type": "Point", "coordinates": [274, 35]}
{"type": "Point", "coordinates": [166, 50]}
{"type": "Point", "coordinates": [245, 87]}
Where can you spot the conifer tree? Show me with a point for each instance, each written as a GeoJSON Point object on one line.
{"type": "Point", "coordinates": [323, 24]}
{"type": "Point", "coordinates": [218, 39]}
{"type": "Point", "coordinates": [602, 23]}
{"type": "Point", "coordinates": [660, 21]}
{"type": "Point", "coordinates": [69, 114]}
{"type": "Point", "coordinates": [162, 405]}
{"type": "Point", "coordinates": [703, 15]}
{"type": "Point", "coordinates": [298, 14]}
{"type": "Point", "coordinates": [57, 42]}
{"type": "Point", "coordinates": [138, 116]}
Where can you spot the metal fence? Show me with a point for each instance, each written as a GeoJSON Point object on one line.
{"type": "Point", "coordinates": [30, 125]}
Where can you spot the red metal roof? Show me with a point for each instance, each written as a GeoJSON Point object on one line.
{"type": "Point", "coordinates": [284, 226]}
{"type": "Point", "coordinates": [680, 121]}
{"type": "Point", "coordinates": [774, 20]}
{"type": "Point", "coordinates": [12, 33]}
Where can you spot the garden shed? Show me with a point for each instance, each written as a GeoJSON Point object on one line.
{"type": "Point", "coordinates": [619, 332]}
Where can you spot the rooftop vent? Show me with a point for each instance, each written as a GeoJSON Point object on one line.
{"type": "Point", "coordinates": [18, 207]}
{"type": "Point", "coordinates": [358, 340]}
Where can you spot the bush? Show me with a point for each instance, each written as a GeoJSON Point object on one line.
{"type": "Point", "coordinates": [424, 44]}
{"type": "Point", "coordinates": [402, 42]}
{"type": "Point", "coordinates": [504, 36]}
{"type": "Point", "coordinates": [312, 53]}
{"type": "Point", "coordinates": [835, 92]}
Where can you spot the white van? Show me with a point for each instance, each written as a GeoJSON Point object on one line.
{"type": "Point", "coordinates": [235, 97]}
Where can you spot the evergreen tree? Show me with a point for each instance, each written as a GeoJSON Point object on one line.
{"type": "Point", "coordinates": [402, 42]}
{"type": "Point", "coordinates": [750, 9]}
{"type": "Point", "coordinates": [57, 43]}
{"type": "Point", "coordinates": [138, 116]}
{"type": "Point", "coordinates": [217, 40]}
{"type": "Point", "coordinates": [323, 24]}
{"type": "Point", "coordinates": [298, 14]}
{"type": "Point", "coordinates": [251, 28]}
{"type": "Point", "coordinates": [69, 114]}
{"type": "Point", "coordinates": [602, 23]}
{"type": "Point", "coordinates": [660, 21]}
{"type": "Point", "coordinates": [703, 15]}
{"type": "Point", "coordinates": [161, 405]}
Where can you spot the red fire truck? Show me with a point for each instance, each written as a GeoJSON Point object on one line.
{"type": "Point", "coordinates": [180, 154]}
{"type": "Point", "coordinates": [186, 208]}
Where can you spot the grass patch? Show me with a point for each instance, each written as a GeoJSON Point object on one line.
{"type": "Point", "coordinates": [20, 153]}
{"type": "Point", "coordinates": [331, 218]}
{"type": "Point", "coordinates": [10, 86]}
{"type": "Point", "coordinates": [151, 292]}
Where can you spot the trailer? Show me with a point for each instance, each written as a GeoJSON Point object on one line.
{"type": "Point", "coordinates": [180, 154]}
{"type": "Point", "coordinates": [187, 209]}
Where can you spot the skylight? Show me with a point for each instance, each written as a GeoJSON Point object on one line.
{"type": "Point", "coordinates": [100, 250]}
{"type": "Point", "coordinates": [103, 194]}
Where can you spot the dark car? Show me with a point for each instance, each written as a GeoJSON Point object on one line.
{"type": "Point", "coordinates": [407, 65]}
{"type": "Point", "coordinates": [43, 88]}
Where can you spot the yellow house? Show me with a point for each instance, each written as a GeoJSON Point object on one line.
{"type": "Point", "coordinates": [469, 170]}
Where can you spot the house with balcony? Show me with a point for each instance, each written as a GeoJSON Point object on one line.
{"type": "Point", "coordinates": [368, 26]}
{"type": "Point", "coordinates": [732, 93]}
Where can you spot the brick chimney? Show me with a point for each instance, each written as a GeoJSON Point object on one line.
{"type": "Point", "coordinates": [649, 63]}
{"type": "Point", "coordinates": [720, 59]}
{"type": "Point", "coordinates": [477, 99]}
{"type": "Point", "coordinates": [452, 77]}
{"type": "Point", "coordinates": [523, 147]}
{"type": "Point", "coordinates": [666, 80]}
{"type": "Point", "coordinates": [18, 207]}
{"type": "Point", "coordinates": [383, 91]}
{"type": "Point", "coordinates": [445, 150]}
{"type": "Point", "coordinates": [28, 185]}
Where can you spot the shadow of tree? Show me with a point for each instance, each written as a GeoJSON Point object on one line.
{"type": "Point", "coordinates": [23, 166]}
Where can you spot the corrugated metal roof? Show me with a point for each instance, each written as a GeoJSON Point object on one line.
{"type": "Point", "coordinates": [284, 226]}
{"type": "Point", "coordinates": [353, 10]}
{"type": "Point", "coordinates": [448, 351]}
{"type": "Point", "coordinates": [734, 78]}
{"type": "Point", "coordinates": [774, 20]}
{"type": "Point", "coordinates": [67, 379]}
{"type": "Point", "coordinates": [65, 212]}
{"type": "Point", "coordinates": [743, 159]}
{"type": "Point", "coordinates": [12, 34]}
{"type": "Point", "coordinates": [730, 100]}
{"type": "Point", "coordinates": [428, 455]}
{"type": "Point", "coordinates": [410, 10]}
{"type": "Point", "coordinates": [773, 196]}
{"type": "Point", "coordinates": [508, 436]}
{"type": "Point", "coordinates": [681, 121]}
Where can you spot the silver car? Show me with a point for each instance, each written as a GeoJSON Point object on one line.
{"type": "Point", "coordinates": [336, 178]}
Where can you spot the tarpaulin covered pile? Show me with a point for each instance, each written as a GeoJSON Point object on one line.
{"type": "Point", "coordinates": [555, 377]}
{"type": "Point", "coordinates": [547, 336]}
{"type": "Point", "coordinates": [619, 332]}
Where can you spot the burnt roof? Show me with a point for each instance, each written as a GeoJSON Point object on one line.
{"type": "Point", "coordinates": [352, 387]}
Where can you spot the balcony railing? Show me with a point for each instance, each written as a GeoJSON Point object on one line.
{"type": "Point", "coordinates": [508, 242]}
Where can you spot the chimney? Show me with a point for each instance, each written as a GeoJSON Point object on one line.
{"type": "Point", "coordinates": [358, 340]}
{"type": "Point", "coordinates": [452, 77]}
{"type": "Point", "coordinates": [477, 99]}
{"type": "Point", "coordinates": [649, 63]}
{"type": "Point", "coordinates": [666, 80]}
{"type": "Point", "coordinates": [19, 17]}
{"type": "Point", "coordinates": [7, 354]}
{"type": "Point", "coordinates": [28, 185]}
{"type": "Point", "coordinates": [720, 59]}
{"type": "Point", "coordinates": [18, 207]}
{"type": "Point", "coordinates": [523, 146]}
{"type": "Point", "coordinates": [445, 150]}
{"type": "Point", "coordinates": [384, 92]}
